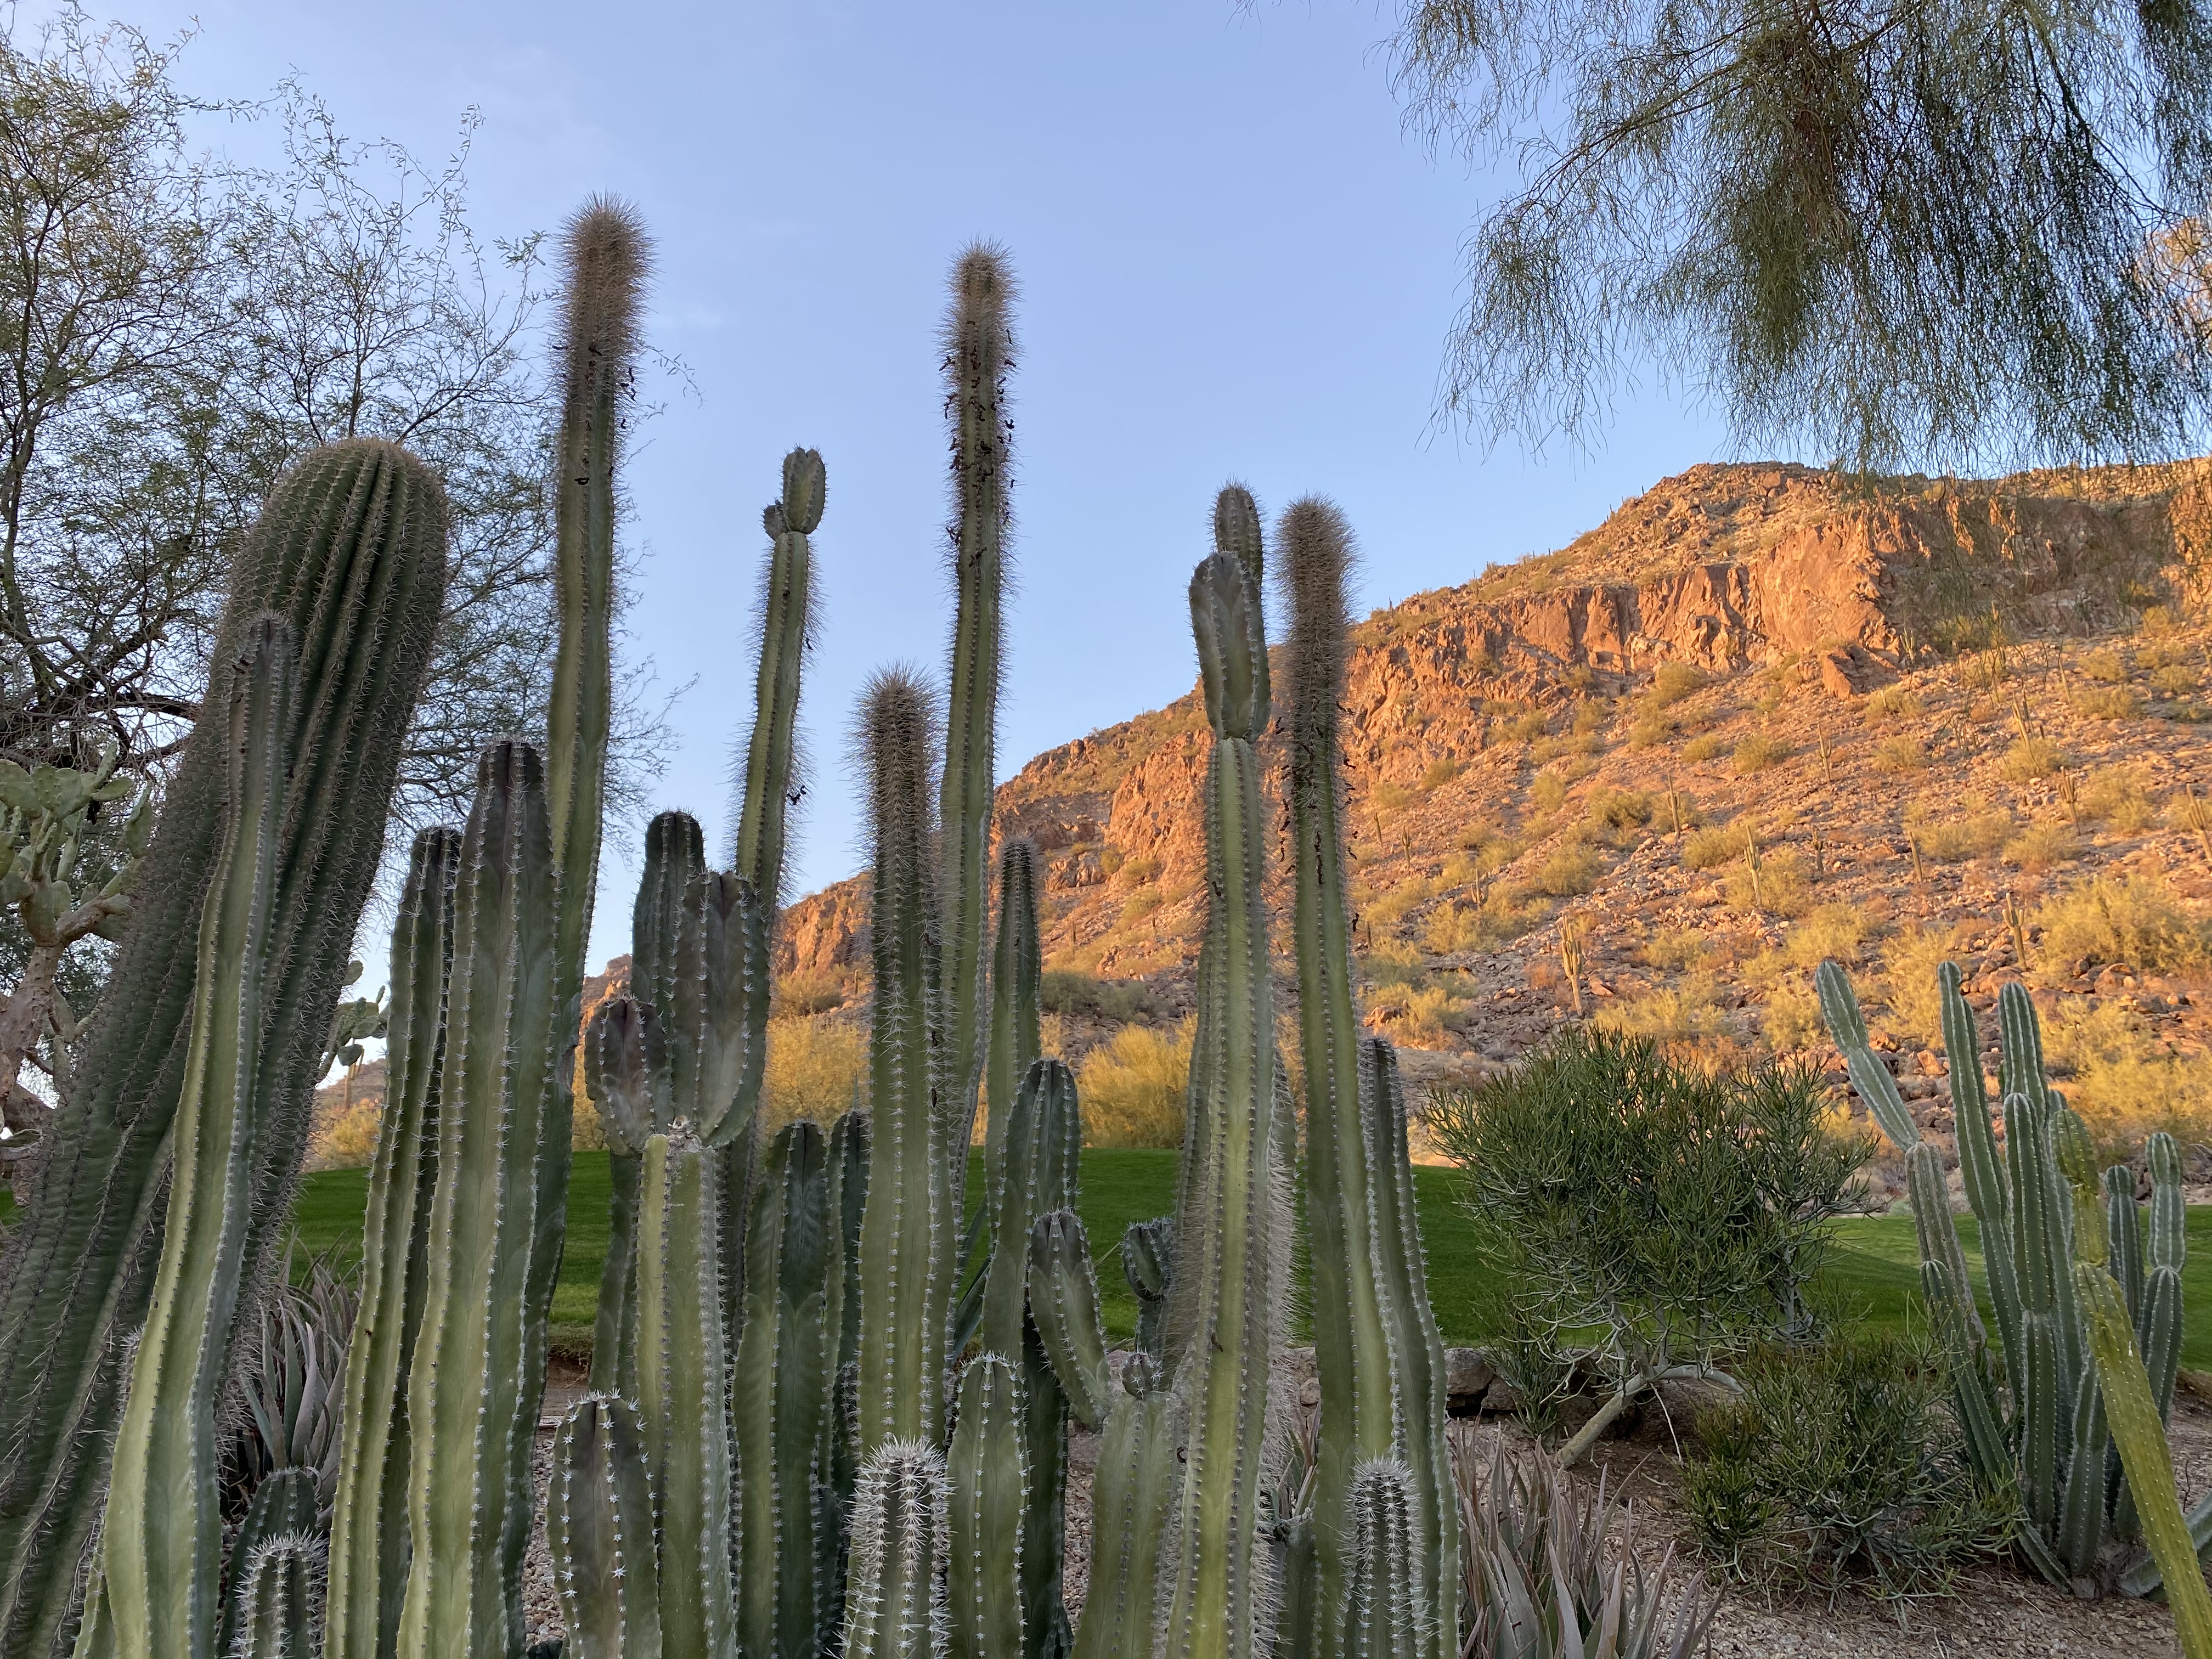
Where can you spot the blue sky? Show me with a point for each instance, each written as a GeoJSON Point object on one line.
{"type": "Point", "coordinates": [1235, 264]}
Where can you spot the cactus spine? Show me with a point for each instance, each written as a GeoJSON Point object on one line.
{"type": "Point", "coordinates": [2049, 1254]}
{"type": "Point", "coordinates": [476, 1377]}
{"type": "Point", "coordinates": [894, 1609]}
{"type": "Point", "coordinates": [986, 1483]}
{"type": "Point", "coordinates": [280, 1608]}
{"type": "Point", "coordinates": [979, 354]}
{"type": "Point", "coordinates": [368, 1521]}
{"type": "Point", "coordinates": [163, 1538]}
{"type": "Point", "coordinates": [1387, 1597]}
{"type": "Point", "coordinates": [903, 1313]}
{"type": "Point", "coordinates": [1381, 1364]}
{"type": "Point", "coordinates": [350, 549]}
{"type": "Point", "coordinates": [1225, 1276]}
{"type": "Point", "coordinates": [783, 1386]}
{"type": "Point", "coordinates": [599, 1529]}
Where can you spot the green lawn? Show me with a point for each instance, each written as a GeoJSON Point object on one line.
{"type": "Point", "coordinates": [1874, 1272]}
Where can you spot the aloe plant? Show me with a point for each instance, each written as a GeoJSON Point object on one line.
{"type": "Point", "coordinates": [2050, 1427]}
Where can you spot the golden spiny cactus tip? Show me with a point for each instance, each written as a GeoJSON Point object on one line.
{"type": "Point", "coordinates": [609, 257]}
{"type": "Point", "coordinates": [1315, 544]}
{"type": "Point", "coordinates": [984, 290]}
{"type": "Point", "coordinates": [896, 742]}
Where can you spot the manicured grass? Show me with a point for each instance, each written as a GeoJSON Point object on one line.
{"type": "Point", "coordinates": [1874, 1272]}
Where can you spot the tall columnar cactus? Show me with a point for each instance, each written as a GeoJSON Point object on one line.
{"type": "Point", "coordinates": [281, 1601]}
{"type": "Point", "coordinates": [1226, 1280]}
{"type": "Point", "coordinates": [1132, 1500]}
{"type": "Point", "coordinates": [599, 1531]}
{"type": "Point", "coordinates": [476, 1375]}
{"type": "Point", "coordinates": [683, 1393]}
{"type": "Point", "coordinates": [163, 1542]}
{"type": "Point", "coordinates": [908, 1209]}
{"type": "Point", "coordinates": [895, 1607]}
{"type": "Point", "coordinates": [782, 1395]}
{"type": "Point", "coordinates": [368, 1519]}
{"type": "Point", "coordinates": [1388, 1595]}
{"type": "Point", "coordinates": [840, 1469]}
{"type": "Point", "coordinates": [2048, 1430]}
{"type": "Point", "coordinates": [987, 1515]}
{"type": "Point", "coordinates": [979, 355]}
{"type": "Point", "coordinates": [1016, 1001]}
{"type": "Point", "coordinates": [350, 550]}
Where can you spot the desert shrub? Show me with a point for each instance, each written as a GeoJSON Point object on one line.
{"type": "Point", "coordinates": [1070, 991]}
{"type": "Point", "coordinates": [1672, 948]}
{"type": "Point", "coordinates": [1573, 869]}
{"type": "Point", "coordinates": [342, 1134]}
{"type": "Point", "coordinates": [1139, 906]}
{"type": "Point", "coordinates": [2107, 666]}
{"type": "Point", "coordinates": [2173, 681]}
{"type": "Point", "coordinates": [1619, 809]}
{"type": "Point", "coordinates": [1841, 1465]}
{"type": "Point", "coordinates": [2126, 1085]}
{"type": "Point", "coordinates": [1703, 747]}
{"type": "Point", "coordinates": [1589, 716]}
{"type": "Point", "coordinates": [1547, 792]}
{"type": "Point", "coordinates": [1526, 728]}
{"type": "Point", "coordinates": [1711, 846]}
{"type": "Point", "coordinates": [1455, 929]}
{"type": "Point", "coordinates": [2127, 919]}
{"type": "Point", "coordinates": [1567, 743]}
{"type": "Point", "coordinates": [1759, 751]}
{"type": "Point", "coordinates": [1686, 1012]}
{"type": "Point", "coordinates": [2116, 795]}
{"type": "Point", "coordinates": [2030, 758]}
{"type": "Point", "coordinates": [1893, 702]}
{"type": "Point", "coordinates": [1781, 886]}
{"type": "Point", "coordinates": [1652, 727]}
{"type": "Point", "coordinates": [1388, 798]}
{"type": "Point", "coordinates": [1132, 1088]}
{"type": "Point", "coordinates": [1674, 682]}
{"type": "Point", "coordinates": [1135, 873]}
{"type": "Point", "coordinates": [1833, 930]}
{"type": "Point", "coordinates": [1909, 983]}
{"type": "Point", "coordinates": [2105, 702]}
{"type": "Point", "coordinates": [1426, 1015]}
{"type": "Point", "coordinates": [1393, 963]}
{"type": "Point", "coordinates": [1538, 1552]}
{"type": "Point", "coordinates": [1791, 1019]}
{"type": "Point", "coordinates": [1975, 835]}
{"type": "Point", "coordinates": [814, 1066]}
{"type": "Point", "coordinates": [1900, 754]}
{"type": "Point", "coordinates": [1441, 772]}
{"type": "Point", "coordinates": [1387, 910]}
{"type": "Point", "coordinates": [1647, 1216]}
{"type": "Point", "coordinates": [2042, 847]}
{"type": "Point", "coordinates": [806, 993]}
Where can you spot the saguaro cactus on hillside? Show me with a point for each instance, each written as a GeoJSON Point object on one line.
{"type": "Point", "coordinates": [350, 550]}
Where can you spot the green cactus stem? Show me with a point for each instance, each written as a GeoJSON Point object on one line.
{"type": "Point", "coordinates": [895, 1599]}
{"type": "Point", "coordinates": [1130, 1503]}
{"type": "Point", "coordinates": [1064, 1303]}
{"type": "Point", "coordinates": [979, 355]}
{"type": "Point", "coordinates": [1017, 1000]}
{"type": "Point", "coordinates": [768, 780]}
{"type": "Point", "coordinates": [683, 1393]}
{"type": "Point", "coordinates": [283, 1506]}
{"type": "Point", "coordinates": [368, 1518]}
{"type": "Point", "coordinates": [782, 1394]}
{"type": "Point", "coordinates": [599, 1531]}
{"type": "Point", "coordinates": [986, 1499]}
{"type": "Point", "coordinates": [1225, 1232]}
{"type": "Point", "coordinates": [908, 1212]}
{"type": "Point", "coordinates": [2137, 1426]}
{"type": "Point", "coordinates": [1039, 1146]}
{"type": "Point", "coordinates": [350, 549]}
{"type": "Point", "coordinates": [279, 1604]}
{"type": "Point", "coordinates": [1148, 1263]}
{"type": "Point", "coordinates": [162, 1541]}
{"type": "Point", "coordinates": [476, 1375]}
{"type": "Point", "coordinates": [1387, 1599]}
{"type": "Point", "coordinates": [847, 1172]}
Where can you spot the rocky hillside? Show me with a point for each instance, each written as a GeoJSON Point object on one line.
{"type": "Point", "coordinates": [1760, 715]}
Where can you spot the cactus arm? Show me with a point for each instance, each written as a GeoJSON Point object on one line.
{"type": "Point", "coordinates": [368, 1518]}
{"type": "Point", "coordinates": [350, 548]}
{"type": "Point", "coordinates": [1036, 1173]}
{"type": "Point", "coordinates": [1354, 1353]}
{"type": "Point", "coordinates": [905, 1221]}
{"type": "Point", "coordinates": [599, 1532]}
{"type": "Point", "coordinates": [1386, 1600]}
{"type": "Point", "coordinates": [1982, 1167]}
{"type": "Point", "coordinates": [163, 1536]}
{"type": "Point", "coordinates": [1215, 1598]}
{"type": "Point", "coordinates": [895, 1599]}
{"type": "Point", "coordinates": [979, 355]}
{"type": "Point", "coordinates": [2046, 1401]}
{"type": "Point", "coordinates": [1016, 996]}
{"type": "Point", "coordinates": [2158, 1327]}
{"type": "Point", "coordinates": [786, 621]}
{"type": "Point", "coordinates": [2135, 1427]}
{"type": "Point", "coordinates": [985, 1496]}
{"type": "Point", "coordinates": [1064, 1300]}
{"type": "Point", "coordinates": [1148, 1263]}
{"type": "Point", "coordinates": [282, 1506]}
{"type": "Point", "coordinates": [472, 1391]}
{"type": "Point", "coordinates": [2123, 1239]}
{"type": "Point", "coordinates": [1402, 1269]}
{"type": "Point", "coordinates": [1839, 1008]}
{"type": "Point", "coordinates": [280, 1610]}
{"type": "Point", "coordinates": [2081, 1510]}
{"type": "Point", "coordinates": [1131, 1502]}
{"type": "Point", "coordinates": [684, 1394]}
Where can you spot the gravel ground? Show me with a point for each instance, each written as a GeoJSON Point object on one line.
{"type": "Point", "coordinates": [1996, 1613]}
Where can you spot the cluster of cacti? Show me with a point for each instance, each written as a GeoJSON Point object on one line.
{"type": "Point", "coordinates": [824, 1417]}
{"type": "Point", "coordinates": [2088, 1319]}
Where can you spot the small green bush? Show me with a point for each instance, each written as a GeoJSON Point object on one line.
{"type": "Point", "coordinates": [2105, 702]}
{"type": "Point", "coordinates": [1841, 1466]}
{"type": "Point", "coordinates": [1652, 727]}
{"type": "Point", "coordinates": [1571, 870]}
{"type": "Point", "coordinates": [1619, 809]}
{"type": "Point", "coordinates": [1702, 748]}
{"type": "Point", "coordinates": [2125, 919]}
{"type": "Point", "coordinates": [2107, 666]}
{"type": "Point", "coordinates": [1901, 755]}
{"type": "Point", "coordinates": [1065, 991]}
{"type": "Point", "coordinates": [1441, 772]}
{"type": "Point", "coordinates": [1759, 751]}
{"type": "Point", "coordinates": [2030, 758]}
{"type": "Point", "coordinates": [1674, 682]}
{"type": "Point", "coordinates": [1547, 792]}
{"type": "Point", "coordinates": [1893, 702]}
{"type": "Point", "coordinates": [1711, 848]}
{"type": "Point", "coordinates": [1133, 1088]}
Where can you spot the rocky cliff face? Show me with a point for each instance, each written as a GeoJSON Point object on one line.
{"type": "Point", "coordinates": [1724, 568]}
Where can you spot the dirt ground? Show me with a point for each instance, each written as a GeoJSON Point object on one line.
{"type": "Point", "coordinates": [1998, 1611]}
